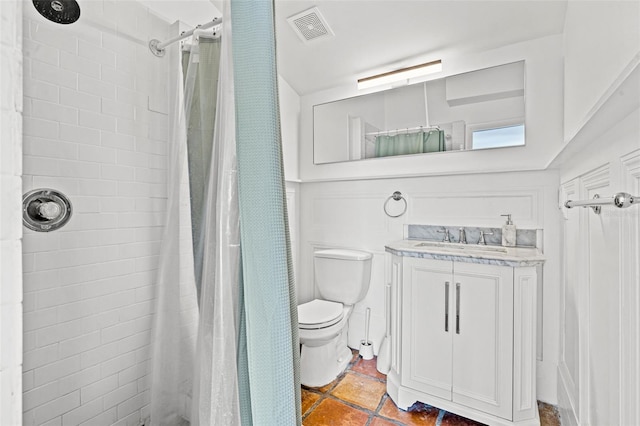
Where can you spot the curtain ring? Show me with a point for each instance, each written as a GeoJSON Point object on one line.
{"type": "Point", "coordinates": [396, 196]}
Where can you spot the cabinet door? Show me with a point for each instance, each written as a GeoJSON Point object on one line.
{"type": "Point", "coordinates": [483, 337]}
{"type": "Point", "coordinates": [427, 326]}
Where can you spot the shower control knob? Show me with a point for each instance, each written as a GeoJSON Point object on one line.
{"type": "Point", "coordinates": [49, 210]}
{"type": "Point", "coordinates": [45, 210]}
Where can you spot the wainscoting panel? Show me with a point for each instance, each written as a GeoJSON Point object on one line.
{"type": "Point", "coordinates": [600, 348]}
{"type": "Point", "coordinates": [344, 212]}
{"type": "Point", "coordinates": [569, 320]}
{"type": "Point", "coordinates": [630, 294]}
{"type": "Point", "coordinates": [477, 207]}
{"type": "Point", "coordinates": [600, 321]}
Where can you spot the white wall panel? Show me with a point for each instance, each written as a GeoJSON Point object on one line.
{"type": "Point", "coordinates": [290, 127]}
{"type": "Point", "coordinates": [348, 213]}
{"type": "Point", "coordinates": [523, 204]}
{"type": "Point", "coordinates": [601, 354]}
{"type": "Point", "coordinates": [599, 321]}
{"type": "Point", "coordinates": [630, 295]}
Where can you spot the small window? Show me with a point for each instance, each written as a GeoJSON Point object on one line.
{"type": "Point", "coordinates": [498, 137]}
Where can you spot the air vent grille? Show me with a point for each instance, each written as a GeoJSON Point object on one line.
{"type": "Point", "coordinates": [310, 25]}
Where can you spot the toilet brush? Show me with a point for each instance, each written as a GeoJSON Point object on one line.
{"type": "Point", "coordinates": [366, 348]}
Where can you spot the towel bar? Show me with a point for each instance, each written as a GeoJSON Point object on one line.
{"type": "Point", "coordinates": [620, 200]}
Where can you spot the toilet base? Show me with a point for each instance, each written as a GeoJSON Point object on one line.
{"type": "Point", "coordinates": [320, 365]}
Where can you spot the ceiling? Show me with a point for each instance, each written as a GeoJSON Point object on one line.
{"type": "Point", "coordinates": [191, 12]}
{"type": "Point", "coordinates": [376, 36]}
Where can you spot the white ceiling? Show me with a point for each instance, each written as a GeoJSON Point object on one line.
{"type": "Point", "coordinates": [376, 36]}
{"type": "Point", "coordinates": [191, 12]}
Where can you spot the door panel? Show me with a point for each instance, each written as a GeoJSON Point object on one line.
{"type": "Point", "coordinates": [483, 341]}
{"type": "Point", "coordinates": [427, 356]}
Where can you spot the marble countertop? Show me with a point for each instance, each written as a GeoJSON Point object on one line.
{"type": "Point", "coordinates": [472, 253]}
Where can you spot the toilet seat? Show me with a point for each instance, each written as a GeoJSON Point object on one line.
{"type": "Point", "coordinates": [319, 314]}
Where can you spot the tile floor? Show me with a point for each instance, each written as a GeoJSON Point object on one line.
{"type": "Point", "coordinates": [358, 398]}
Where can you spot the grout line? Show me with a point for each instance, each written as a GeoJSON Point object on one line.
{"type": "Point", "coordinates": [352, 405]}
{"type": "Point", "coordinates": [381, 404]}
{"type": "Point", "coordinates": [377, 379]}
{"type": "Point", "coordinates": [383, 400]}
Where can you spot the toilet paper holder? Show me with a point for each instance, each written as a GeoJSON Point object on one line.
{"type": "Point", "coordinates": [45, 210]}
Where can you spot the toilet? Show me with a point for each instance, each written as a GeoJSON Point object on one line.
{"type": "Point", "coordinates": [342, 280]}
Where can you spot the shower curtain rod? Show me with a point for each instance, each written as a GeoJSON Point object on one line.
{"type": "Point", "coordinates": [157, 47]}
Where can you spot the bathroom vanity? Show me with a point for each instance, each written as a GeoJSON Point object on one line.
{"type": "Point", "coordinates": [463, 329]}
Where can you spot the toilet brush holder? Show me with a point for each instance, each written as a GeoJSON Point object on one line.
{"type": "Point", "coordinates": [366, 350]}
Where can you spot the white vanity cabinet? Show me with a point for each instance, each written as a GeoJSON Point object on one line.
{"type": "Point", "coordinates": [463, 337]}
{"type": "Point", "coordinates": [456, 342]}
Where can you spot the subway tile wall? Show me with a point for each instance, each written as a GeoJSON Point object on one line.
{"type": "Point", "coordinates": [95, 128]}
{"type": "Point", "coordinates": [10, 220]}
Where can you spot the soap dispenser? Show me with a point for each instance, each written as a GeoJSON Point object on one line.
{"type": "Point", "coordinates": [508, 232]}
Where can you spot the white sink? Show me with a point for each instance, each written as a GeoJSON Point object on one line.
{"type": "Point", "coordinates": [457, 247]}
{"type": "Point", "coordinates": [436, 249]}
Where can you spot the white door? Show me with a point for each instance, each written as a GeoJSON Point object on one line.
{"type": "Point", "coordinates": [427, 326]}
{"type": "Point", "coordinates": [483, 338]}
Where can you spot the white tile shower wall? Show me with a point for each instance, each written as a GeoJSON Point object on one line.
{"type": "Point", "coordinates": [349, 214]}
{"type": "Point", "coordinates": [10, 220]}
{"type": "Point", "coordinates": [93, 130]}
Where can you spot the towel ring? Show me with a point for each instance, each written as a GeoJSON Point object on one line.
{"type": "Point", "coordinates": [396, 196]}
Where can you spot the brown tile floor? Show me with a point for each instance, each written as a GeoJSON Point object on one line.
{"type": "Point", "coordinates": [358, 398]}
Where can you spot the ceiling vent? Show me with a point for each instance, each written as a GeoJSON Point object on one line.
{"type": "Point", "coordinates": [310, 25]}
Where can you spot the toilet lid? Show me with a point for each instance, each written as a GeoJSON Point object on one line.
{"type": "Point", "coordinates": [319, 313]}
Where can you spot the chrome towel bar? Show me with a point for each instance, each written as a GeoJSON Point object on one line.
{"type": "Point", "coordinates": [620, 200]}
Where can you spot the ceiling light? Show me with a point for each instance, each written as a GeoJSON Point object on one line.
{"type": "Point", "coordinates": [401, 74]}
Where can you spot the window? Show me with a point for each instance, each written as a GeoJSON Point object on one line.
{"type": "Point", "coordinates": [497, 137]}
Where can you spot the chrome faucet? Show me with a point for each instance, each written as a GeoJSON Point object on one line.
{"type": "Point", "coordinates": [447, 236]}
{"type": "Point", "coordinates": [481, 241]}
{"type": "Point", "coordinates": [463, 236]}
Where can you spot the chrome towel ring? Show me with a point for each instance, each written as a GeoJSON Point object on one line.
{"type": "Point", "coordinates": [396, 196]}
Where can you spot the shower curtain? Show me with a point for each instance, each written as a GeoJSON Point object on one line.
{"type": "Point", "coordinates": [224, 350]}
{"type": "Point", "coordinates": [409, 143]}
{"type": "Point", "coordinates": [200, 70]}
{"type": "Point", "coordinates": [402, 144]}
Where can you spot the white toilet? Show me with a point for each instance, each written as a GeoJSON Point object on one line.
{"type": "Point", "coordinates": [342, 279]}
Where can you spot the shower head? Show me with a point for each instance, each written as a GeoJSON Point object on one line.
{"type": "Point", "coordinates": [58, 11]}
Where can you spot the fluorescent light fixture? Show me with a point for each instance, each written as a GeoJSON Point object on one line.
{"type": "Point", "coordinates": [401, 74]}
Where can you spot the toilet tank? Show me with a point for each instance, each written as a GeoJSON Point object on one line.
{"type": "Point", "coordinates": [342, 275]}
